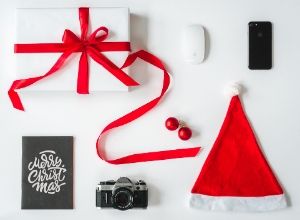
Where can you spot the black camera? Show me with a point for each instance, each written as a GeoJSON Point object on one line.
{"type": "Point", "coordinates": [122, 194]}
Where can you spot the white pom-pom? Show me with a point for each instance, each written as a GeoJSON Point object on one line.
{"type": "Point", "coordinates": [233, 89]}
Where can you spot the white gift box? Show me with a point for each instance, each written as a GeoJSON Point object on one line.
{"type": "Point", "coordinates": [47, 26]}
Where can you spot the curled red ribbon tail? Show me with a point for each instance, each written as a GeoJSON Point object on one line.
{"type": "Point", "coordinates": [135, 114]}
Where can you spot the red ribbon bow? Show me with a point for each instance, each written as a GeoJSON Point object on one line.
{"type": "Point", "coordinates": [93, 46]}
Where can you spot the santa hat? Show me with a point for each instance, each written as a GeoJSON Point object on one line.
{"type": "Point", "coordinates": [236, 175]}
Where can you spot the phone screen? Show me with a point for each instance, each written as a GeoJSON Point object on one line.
{"type": "Point", "coordinates": [260, 45]}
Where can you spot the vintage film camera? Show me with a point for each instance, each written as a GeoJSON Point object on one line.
{"type": "Point", "coordinates": [122, 194]}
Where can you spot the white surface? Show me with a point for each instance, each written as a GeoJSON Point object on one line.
{"type": "Point", "coordinates": [48, 26]}
{"type": "Point", "coordinates": [239, 204]}
{"type": "Point", "coordinates": [271, 102]}
{"type": "Point", "coordinates": [193, 44]}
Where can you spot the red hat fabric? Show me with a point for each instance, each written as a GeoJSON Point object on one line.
{"type": "Point", "coordinates": [236, 175]}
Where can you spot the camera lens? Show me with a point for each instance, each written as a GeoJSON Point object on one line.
{"type": "Point", "coordinates": [123, 199]}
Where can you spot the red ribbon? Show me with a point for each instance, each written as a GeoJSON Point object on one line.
{"type": "Point", "coordinates": [149, 156]}
{"type": "Point", "coordinates": [93, 46]}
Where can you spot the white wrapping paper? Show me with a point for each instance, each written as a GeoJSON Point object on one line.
{"type": "Point", "coordinates": [47, 26]}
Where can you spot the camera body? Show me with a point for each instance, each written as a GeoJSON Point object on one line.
{"type": "Point", "coordinates": [122, 194]}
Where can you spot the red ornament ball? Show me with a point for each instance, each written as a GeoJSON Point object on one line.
{"type": "Point", "coordinates": [184, 133]}
{"type": "Point", "coordinates": [172, 123]}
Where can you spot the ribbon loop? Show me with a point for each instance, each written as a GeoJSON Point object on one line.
{"type": "Point", "coordinates": [70, 38]}
{"type": "Point", "coordinates": [97, 39]}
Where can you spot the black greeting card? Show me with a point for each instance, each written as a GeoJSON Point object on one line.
{"type": "Point", "coordinates": [47, 172]}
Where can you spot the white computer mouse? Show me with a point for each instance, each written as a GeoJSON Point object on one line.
{"type": "Point", "coordinates": [193, 44]}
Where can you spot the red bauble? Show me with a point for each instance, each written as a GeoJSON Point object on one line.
{"type": "Point", "coordinates": [172, 123]}
{"type": "Point", "coordinates": [184, 133]}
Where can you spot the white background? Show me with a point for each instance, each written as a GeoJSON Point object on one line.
{"type": "Point", "coordinates": [271, 102]}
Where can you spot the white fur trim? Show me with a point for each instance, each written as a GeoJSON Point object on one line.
{"type": "Point", "coordinates": [233, 89]}
{"type": "Point", "coordinates": [242, 204]}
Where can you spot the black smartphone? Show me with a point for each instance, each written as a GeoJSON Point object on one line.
{"type": "Point", "coordinates": [260, 45]}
